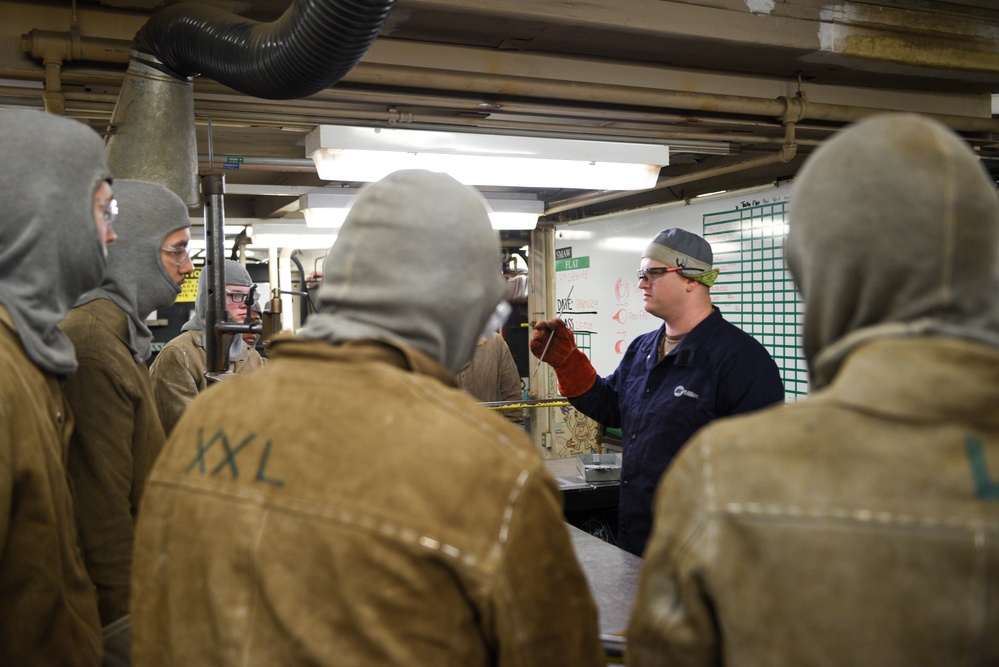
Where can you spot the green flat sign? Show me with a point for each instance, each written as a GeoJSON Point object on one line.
{"type": "Point", "coordinates": [572, 263]}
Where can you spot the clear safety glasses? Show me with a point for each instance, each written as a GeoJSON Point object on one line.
{"type": "Point", "coordinates": [178, 255]}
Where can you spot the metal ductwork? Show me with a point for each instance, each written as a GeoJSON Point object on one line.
{"type": "Point", "coordinates": [152, 131]}
{"type": "Point", "coordinates": [309, 48]}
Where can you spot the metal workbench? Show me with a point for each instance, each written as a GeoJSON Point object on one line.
{"type": "Point", "coordinates": [612, 574]}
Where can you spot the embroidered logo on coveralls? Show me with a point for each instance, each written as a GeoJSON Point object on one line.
{"type": "Point", "coordinates": [680, 391]}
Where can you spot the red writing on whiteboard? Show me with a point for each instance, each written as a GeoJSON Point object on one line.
{"type": "Point", "coordinates": [622, 289]}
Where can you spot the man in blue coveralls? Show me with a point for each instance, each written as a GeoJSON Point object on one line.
{"type": "Point", "coordinates": [672, 381]}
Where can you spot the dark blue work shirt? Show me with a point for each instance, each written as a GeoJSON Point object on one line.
{"type": "Point", "coordinates": [717, 370]}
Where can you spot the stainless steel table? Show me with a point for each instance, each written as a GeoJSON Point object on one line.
{"type": "Point", "coordinates": [612, 574]}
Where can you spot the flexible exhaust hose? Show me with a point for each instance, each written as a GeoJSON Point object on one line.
{"type": "Point", "coordinates": [314, 44]}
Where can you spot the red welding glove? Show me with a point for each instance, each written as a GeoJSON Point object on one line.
{"type": "Point", "coordinates": [555, 344]}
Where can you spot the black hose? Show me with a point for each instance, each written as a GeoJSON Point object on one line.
{"type": "Point", "coordinates": [314, 44]}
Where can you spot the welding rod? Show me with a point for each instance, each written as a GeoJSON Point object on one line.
{"type": "Point", "coordinates": [552, 334]}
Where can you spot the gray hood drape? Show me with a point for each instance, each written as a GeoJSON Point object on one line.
{"type": "Point", "coordinates": [861, 274]}
{"type": "Point", "coordinates": [136, 280]}
{"type": "Point", "coordinates": [235, 274]}
{"type": "Point", "coordinates": [417, 261]}
{"type": "Point", "coordinates": [50, 249]}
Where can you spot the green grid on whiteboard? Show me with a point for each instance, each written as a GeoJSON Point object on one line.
{"type": "Point", "coordinates": [584, 342]}
{"type": "Point", "coordinates": [754, 290]}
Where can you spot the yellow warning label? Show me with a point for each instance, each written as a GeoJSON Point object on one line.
{"type": "Point", "coordinates": [189, 291]}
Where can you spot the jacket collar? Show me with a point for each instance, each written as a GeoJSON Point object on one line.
{"type": "Point", "coordinates": [926, 378]}
{"type": "Point", "coordinates": [361, 351]}
{"type": "Point", "coordinates": [113, 316]}
{"type": "Point", "coordinates": [197, 336]}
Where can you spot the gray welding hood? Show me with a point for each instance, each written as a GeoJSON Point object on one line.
{"type": "Point", "coordinates": [894, 231]}
{"type": "Point", "coordinates": [50, 249]}
{"type": "Point", "coordinates": [416, 261]}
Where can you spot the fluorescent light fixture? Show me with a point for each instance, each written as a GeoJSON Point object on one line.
{"type": "Point", "coordinates": [512, 220]}
{"type": "Point", "coordinates": [325, 218]}
{"type": "Point", "coordinates": [370, 154]}
{"type": "Point", "coordinates": [513, 211]}
{"type": "Point", "coordinates": [284, 235]}
{"type": "Point", "coordinates": [324, 210]}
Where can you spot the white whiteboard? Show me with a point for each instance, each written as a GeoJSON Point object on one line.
{"type": "Point", "coordinates": [596, 286]}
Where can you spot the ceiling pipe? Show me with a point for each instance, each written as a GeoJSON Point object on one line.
{"type": "Point", "coordinates": [649, 130]}
{"type": "Point", "coordinates": [619, 125]}
{"type": "Point", "coordinates": [56, 48]}
{"type": "Point", "coordinates": [492, 111]}
{"type": "Point", "coordinates": [493, 85]}
{"type": "Point", "coordinates": [251, 163]}
{"type": "Point", "coordinates": [787, 153]}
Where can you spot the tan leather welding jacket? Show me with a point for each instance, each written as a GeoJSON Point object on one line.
{"type": "Point", "coordinates": [859, 526]}
{"type": "Point", "coordinates": [364, 512]}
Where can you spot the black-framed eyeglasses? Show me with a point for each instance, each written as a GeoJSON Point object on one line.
{"type": "Point", "coordinates": [178, 255]}
{"type": "Point", "coordinates": [109, 211]}
{"type": "Point", "coordinates": [236, 297]}
{"type": "Point", "coordinates": [648, 274]}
